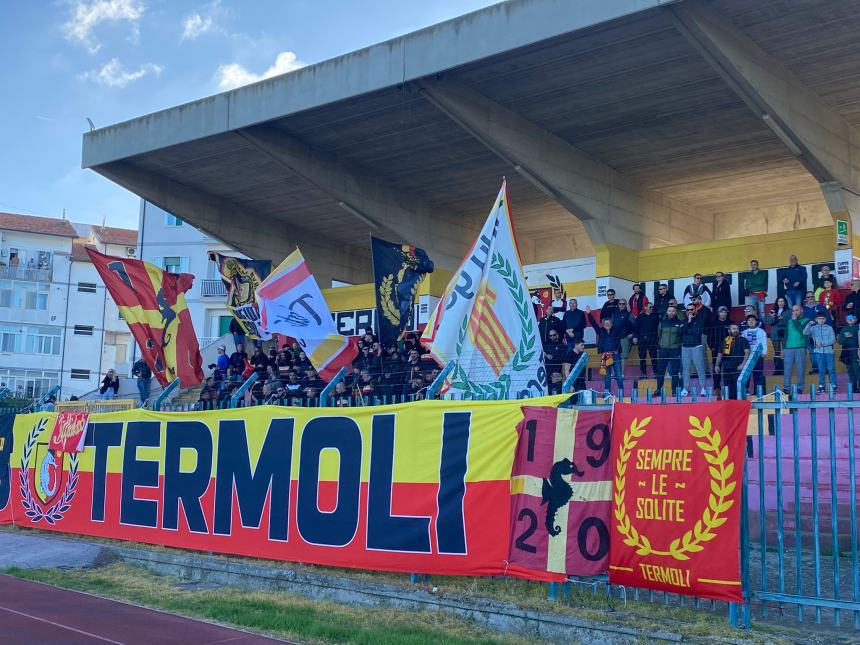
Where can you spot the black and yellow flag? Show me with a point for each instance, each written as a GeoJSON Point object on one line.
{"type": "Point", "coordinates": [398, 269]}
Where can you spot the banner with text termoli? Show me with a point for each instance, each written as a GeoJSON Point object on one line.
{"type": "Point", "coordinates": [417, 487]}
{"type": "Point", "coordinates": [678, 473]}
{"type": "Point", "coordinates": [562, 491]}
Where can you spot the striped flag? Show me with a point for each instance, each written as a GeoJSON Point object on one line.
{"type": "Point", "coordinates": [152, 302]}
{"type": "Point", "coordinates": [484, 324]}
{"type": "Point", "coordinates": [291, 304]}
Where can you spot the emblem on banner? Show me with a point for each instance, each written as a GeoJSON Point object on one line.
{"type": "Point", "coordinates": [46, 490]}
{"type": "Point", "coordinates": [719, 501]}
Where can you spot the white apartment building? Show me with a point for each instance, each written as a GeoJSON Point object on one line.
{"type": "Point", "coordinates": [58, 326]}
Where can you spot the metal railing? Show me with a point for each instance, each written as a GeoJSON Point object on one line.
{"type": "Point", "coordinates": [213, 288]}
{"type": "Point", "coordinates": [26, 273]}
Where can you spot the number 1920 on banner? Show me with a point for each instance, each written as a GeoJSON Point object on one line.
{"type": "Point", "coordinates": [561, 491]}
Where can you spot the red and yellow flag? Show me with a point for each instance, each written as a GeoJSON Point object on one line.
{"type": "Point", "coordinates": [152, 302]}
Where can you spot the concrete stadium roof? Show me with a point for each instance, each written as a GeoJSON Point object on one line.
{"type": "Point", "coordinates": [616, 79]}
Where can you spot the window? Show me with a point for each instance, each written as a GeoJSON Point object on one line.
{"type": "Point", "coordinates": [29, 383]}
{"type": "Point", "coordinates": [24, 295]}
{"type": "Point", "coordinates": [172, 220]}
{"type": "Point", "coordinates": [83, 375]}
{"type": "Point", "coordinates": [43, 340]}
{"type": "Point", "coordinates": [35, 296]}
{"type": "Point", "coordinates": [5, 293]}
{"type": "Point", "coordinates": [83, 330]}
{"type": "Point", "coordinates": [86, 287]}
{"type": "Point", "coordinates": [10, 338]}
{"type": "Point", "coordinates": [175, 264]}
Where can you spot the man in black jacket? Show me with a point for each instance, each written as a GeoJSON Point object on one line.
{"type": "Point", "coordinates": [141, 370]}
{"type": "Point", "coordinates": [721, 292]}
{"type": "Point", "coordinates": [717, 334]}
{"type": "Point", "coordinates": [661, 300]}
{"type": "Point", "coordinates": [692, 349]}
{"type": "Point", "coordinates": [549, 322]}
{"type": "Point", "coordinates": [553, 353]}
{"type": "Point", "coordinates": [852, 300]}
{"type": "Point", "coordinates": [645, 338]}
{"type": "Point", "coordinates": [574, 321]}
{"type": "Point", "coordinates": [610, 306]}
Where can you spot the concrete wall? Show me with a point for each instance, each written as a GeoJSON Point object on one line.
{"type": "Point", "coordinates": [772, 219]}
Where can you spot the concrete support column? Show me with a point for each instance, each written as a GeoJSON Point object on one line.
{"type": "Point", "coordinates": [614, 209]}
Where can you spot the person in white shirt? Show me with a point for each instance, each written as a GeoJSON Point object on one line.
{"type": "Point", "coordinates": [756, 337]}
{"type": "Point", "coordinates": [698, 288]}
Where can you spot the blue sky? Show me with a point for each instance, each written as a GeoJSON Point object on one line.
{"type": "Point", "coordinates": [111, 60]}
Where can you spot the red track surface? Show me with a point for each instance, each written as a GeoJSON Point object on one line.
{"type": "Point", "coordinates": [35, 614]}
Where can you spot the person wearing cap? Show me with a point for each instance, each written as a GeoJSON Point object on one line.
{"type": "Point", "coordinates": [717, 334]}
{"type": "Point", "coordinates": [777, 318]}
{"type": "Point", "coordinates": [755, 289]}
{"type": "Point", "coordinates": [823, 337]}
{"type": "Point", "coordinates": [848, 355]}
{"type": "Point", "coordinates": [792, 279]}
{"type": "Point", "coordinates": [756, 337]}
{"type": "Point", "coordinates": [794, 351]}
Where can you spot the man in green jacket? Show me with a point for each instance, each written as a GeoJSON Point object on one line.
{"type": "Point", "coordinates": [794, 353]}
{"type": "Point", "coordinates": [755, 288]}
{"type": "Point", "coordinates": [669, 348]}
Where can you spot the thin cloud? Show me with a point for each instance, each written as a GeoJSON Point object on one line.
{"type": "Point", "coordinates": [203, 21]}
{"type": "Point", "coordinates": [86, 16]}
{"type": "Point", "coordinates": [235, 75]}
{"type": "Point", "coordinates": [114, 74]}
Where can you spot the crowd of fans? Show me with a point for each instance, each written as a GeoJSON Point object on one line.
{"type": "Point", "coordinates": [287, 376]}
{"type": "Point", "coordinates": [697, 333]}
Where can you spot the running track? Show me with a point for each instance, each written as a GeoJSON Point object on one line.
{"type": "Point", "coordinates": [36, 614]}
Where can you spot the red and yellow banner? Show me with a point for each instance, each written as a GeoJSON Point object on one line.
{"type": "Point", "coordinates": [562, 491]}
{"type": "Point", "coordinates": [678, 473]}
{"type": "Point", "coordinates": [418, 487]}
{"type": "Point", "coordinates": [152, 302]}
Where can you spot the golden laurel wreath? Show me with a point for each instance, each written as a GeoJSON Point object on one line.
{"type": "Point", "coordinates": [716, 454]}
{"type": "Point", "coordinates": [386, 300]}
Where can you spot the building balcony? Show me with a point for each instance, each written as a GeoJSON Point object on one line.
{"type": "Point", "coordinates": [26, 273]}
{"type": "Point", "coordinates": [214, 288]}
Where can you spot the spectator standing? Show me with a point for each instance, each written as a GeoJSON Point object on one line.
{"type": "Point", "coordinates": [793, 281]}
{"type": "Point", "coordinates": [697, 288]}
{"type": "Point", "coordinates": [574, 322]}
{"type": "Point", "coordinates": [756, 337]}
{"type": "Point", "coordinates": [238, 332]}
{"type": "Point", "coordinates": [645, 329]}
{"type": "Point", "coordinates": [549, 323]}
{"type": "Point", "coordinates": [669, 345]}
{"type": "Point", "coordinates": [852, 300]}
{"type": "Point", "coordinates": [637, 301]}
{"type": "Point", "coordinates": [823, 337]}
{"type": "Point", "coordinates": [717, 334]}
{"type": "Point", "coordinates": [755, 290]}
{"type": "Point", "coordinates": [110, 386]}
{"type": "Point", "coordinates": [777, 318]}
{"type": "Point", "coordinates": [623, 322]}
{"type": "Point", "coordinates": [818, 283]}
{"type": "Point", "coordinates": [692, 350]}
{"type": "Point", "coordinates": [721, 292]}
{"type": "Point", "coordinates": [610, 306]}
{"type": "Point", "coordinates": [661, 300]}
{"type": "Point", "coordinates": [575, 351]}
{"type": "Point", "coordinates": [141, 371]}
{"type": "Point", "coordinates": [238, 358]}
{"type": "Point", "coordinates": [553, 353]}
{"type": "Point", "coordinates": [734, 352]}
{"type": "Point", "coordinates": [260, 362]}
{"type": "Point", "coordinates": [848, 353]}
{"type": "Point", "coordinates": [830, 298]}
{"type": "Point", "coordinates": [609, 348]}
{"type": "Point", "coordinates": [794, 352]}
{"type": "Point", "coordinates": [811, 309]}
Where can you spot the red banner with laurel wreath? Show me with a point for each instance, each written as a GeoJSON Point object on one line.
{"type": "Point", "coordinates": [678, 473]}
